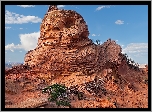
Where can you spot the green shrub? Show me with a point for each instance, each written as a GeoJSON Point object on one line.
{"type": "Point", "coordinates": [57, 93]}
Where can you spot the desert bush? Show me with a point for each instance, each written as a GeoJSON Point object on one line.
{"type": "Point", "coordinates": [61, 95]}
{"type": "Point", "coordinates": [57, 94]}
{"type": "Point", "coordinates": [98, 42]}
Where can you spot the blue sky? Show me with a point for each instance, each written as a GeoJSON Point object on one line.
{"type": "Point", "coordinates": [126, 24]}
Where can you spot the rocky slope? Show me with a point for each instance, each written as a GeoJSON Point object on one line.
{"type": "Point", "coordinates": [65, 55]}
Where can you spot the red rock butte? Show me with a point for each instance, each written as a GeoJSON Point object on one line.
{"type": "Point", "coordinates": [64, 46]}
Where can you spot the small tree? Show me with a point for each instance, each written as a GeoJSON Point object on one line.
{"type": "Point", "coordinates": [98, 42]}
{"type": "Point", "coordinates": [126, 55]}
{"type": "Point", "coordinates": [132, 61]}
{"type": "Point", "coordinates": [60, 94]}
{"type": "Point", "coordinates": [57, 94]}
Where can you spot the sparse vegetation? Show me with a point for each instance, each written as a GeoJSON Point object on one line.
{"type": "Point", "coordinates": [108, 98]}
{"type": "Point", "coordinates": [98, 42]}
{"type": "Point", "coordinates": [145, 80]}
{"type": "Point", "coordinates": [61, 95]}
{"type": "Point", "coordinates": [131, 63]}
{"type": "Point", "coordinates": [57, 93]}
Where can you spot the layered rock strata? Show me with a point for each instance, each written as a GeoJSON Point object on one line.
{"type": "Point", "coordinates": [64, 47]}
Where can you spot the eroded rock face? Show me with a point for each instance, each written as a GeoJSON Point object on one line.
{"type": "Point", "coordinates": [62, 27]}
{"type": "Point", "coordinates": [64, 46]}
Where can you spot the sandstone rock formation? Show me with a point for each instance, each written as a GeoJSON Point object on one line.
{"type": "Point", "coordinates": [64, 47]}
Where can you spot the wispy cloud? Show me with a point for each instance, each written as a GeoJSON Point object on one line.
{"type": "Point", "coordinates": [137, 52]}
{"type": "Point", "coordinates": [136, 48]}
{"type": "Point", "coordinates": [7, 27]}
{"type": "Point", "coordinates": [25, 6]}
{"type": "Point", "coordinates": [21, 28]}
{"type": "Point", "coordinates": [122, 45]}
{"type": "Point", "coordinates": [103, 6]}
{"type": "Point", "coordinates": [74, 6]}
{"type": "Point", "coordinates": [13, 18]}
{"type": "Point", "coordinates": [60, 6]}
{"type": "Point", "coordinates": [119, 22]}
{"type": "Point", "coordinates": [93, 35]}
{"type": "Point", "coordinates": [12, 50]}
{"type": "Point", "coordinates": [11, 47]}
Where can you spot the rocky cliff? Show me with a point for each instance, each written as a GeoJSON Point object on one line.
{"type": "Point", "coordinates": [64, 47]}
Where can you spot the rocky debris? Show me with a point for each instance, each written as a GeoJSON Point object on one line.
{"type": "Point", "coordinates": [93, 103]}
{"type": "Point", "coordinates": [29, 103]}
{"type": "Point", "coordinates": [96, 87]}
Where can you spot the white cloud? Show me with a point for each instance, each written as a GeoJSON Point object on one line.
{"type": "Point", "coordinates": [26, 6]}
{"type": "Point", "coordinates": [119, 22]}
{"type": "Point", "coordinates": [29, 41]}
{"type": "Point", "coordinates": [12, 50]}
{"type": "Point", "coordinates": [116, 40]}
{"type": "Point", "coordinates": [60, 6]}
{"type": "Point", "coordinates": [122, 45]}
{"type": "Point", "coordinates": [93, 35]}
{"type": "Point", "coordinates": [11, 47]}
{"type": "Point", "coordinates": [21, 28]}
{"type": "Point", "coordinates": [20, 51]}
{"type": "Point", "coordinates": [136, 48]}
{"type": "Point", "coordinates": [7, 27]}
{"type": "Point", "coordinates": [101, 7]}
{"type": "Point", "coordinates": [137, 52]}
{"type": "Point", "coordinates": [13, 18]}
{"type": "Point", "coordinates": [76, 7]}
